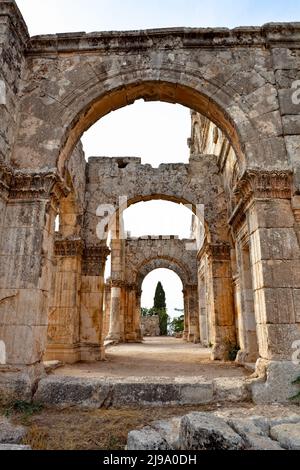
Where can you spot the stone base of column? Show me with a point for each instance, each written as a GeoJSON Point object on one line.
{"type": "Point", "coordinates": [244, 357]}
{"type": "Point", "coordinates": [92, 353]}
{"type": "Point", "coordinates": [133, 338]}
{"type": "Point", "coordinates": [19, 383]}
{"type": "Point", "coordinates": [113, 337]}
{"type": "Point", "coordinates": [69, 354]}
{"type": "Point", "coordinates": [273, 381]}
{"type": "Point", "coordinates": [192, 338]}
{"type": "Point", "coordinates": [185, 336]}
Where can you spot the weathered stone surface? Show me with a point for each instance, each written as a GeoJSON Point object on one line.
{"type": "Point", "coordinates": [150, 326]}
{"type": "Point", "coordinates": [169, 430]}
{"type": "Point", "coordinates": [203, 431]}
{"type": "Point", "coordinates": [288, 435]}
{"type": "Point", "coordinates": [9, 433]}
{"type": "Point", "coordinates": [146, 439]}
{"type": "Point", "coordinates": [255, 442]}
{"type": "Point", "coordinates": [231, 389]}
{"type": "Point", "coordinates": [275, 382]}
{"type": "Point", "coordinates": [131, 391]}
{"type": "Point", "coordinates": [14, 447]}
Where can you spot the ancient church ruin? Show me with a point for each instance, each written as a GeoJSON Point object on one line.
{"type": "Point", "coordinates": [242, 281]}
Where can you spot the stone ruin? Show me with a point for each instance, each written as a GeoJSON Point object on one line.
{"type": "Point", "coordinates": [241, 284]}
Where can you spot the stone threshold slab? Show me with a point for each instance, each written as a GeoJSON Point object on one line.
{"type": "Point", "coordinates": [61, 391]}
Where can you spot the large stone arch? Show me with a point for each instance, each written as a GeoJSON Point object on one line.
{"type": "Point", "coordinates": [162, 263]}
{"type": "Point", "coordinates": [106, 72]}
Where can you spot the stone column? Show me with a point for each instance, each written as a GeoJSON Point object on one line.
{"type": "Point", "coordinates": [92, 289]}
{"type": "Point", "coordinates": [193, 314]}
{"type": "Point", "coordinates": [132, 319]}
{"type": "Point", "coordinates": [275, 264]}
{"type": "Point", "coordinates": [26, 252]}
{"type": "Point", "coordinates": [106, 307]}
{"type": "Point", "coordinates": [186, 315]}
{"type": "Point", "coordinates": [220, 305]}
{"type": "Point", "coordinates": [203, 323]}
{"type": "Point", "coordinates": [247, 336]}
{"type": "Point", "coordinates": [115, 333]}
{"type": "Point", "coordinates": [137, 317]}
{"type": "Point", "coordinates": [64, 305]}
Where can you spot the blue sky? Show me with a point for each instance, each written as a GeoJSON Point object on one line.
{"type": "Point", "coordinates": [49, 16]}
{"type": "Point", "coordinates": [157, 132]}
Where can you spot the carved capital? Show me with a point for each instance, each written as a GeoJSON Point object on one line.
{"type": "Point", "coordinates": [218, 252]}
{"type": "Point", "coordinates": [118, 283]}
{"type": "Point", "coordinates": [43, 185]}
{"type": "Point", "coordinates": [6, 176]}
{"type": "Point", "coordinates": [259, 184]}
{"type": "Point", "coordinates": [94, 258]}
{"type": "Point", "coordinates": [68, 247]}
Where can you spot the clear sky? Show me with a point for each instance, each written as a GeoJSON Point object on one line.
{"type": "Point", "coordinates": [157, 132]}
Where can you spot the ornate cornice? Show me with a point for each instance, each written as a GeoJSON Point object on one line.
{"type": "Point", "coordinates": [68, 247]}
{"type": "Point", "coordinates": [259, 184]}
{"type": "Point", "coordinates": [262, 184]}
{"type": "Point", "coordinates": [43, 185]}
{"type": "Point", "coordinates": [94, 258]}
{"type": "Point", "coordinates": [6, 176]}
{"type": "Point", "coordinates": [218, 252]}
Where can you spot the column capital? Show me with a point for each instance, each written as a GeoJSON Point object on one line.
{"type": "Point", "coordinates": [94, 258]}
{"type": "Point", "coordinates": [68, 247]}
{"type": "Point", "coordinates": [259, 184]}
{"type": "Point", "coordinates": [217, 251]}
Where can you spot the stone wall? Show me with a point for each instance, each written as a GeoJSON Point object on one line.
{"type": "Point", "coordinates": [150, 326]}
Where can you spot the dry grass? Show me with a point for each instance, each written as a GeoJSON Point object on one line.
{"type": "Point", "coordinates": [74, 429]}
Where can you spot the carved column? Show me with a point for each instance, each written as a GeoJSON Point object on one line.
{"type": "Point", "coordinates": [203, 320]}
{"type": "Point", "coordinates": [92, 289]}
{"type": "Point", "coordinates": [106, 307]}
{"type": "Point", "coordinates": [64, 306]}
{"type": "Point", "coordinates": [26, 251]}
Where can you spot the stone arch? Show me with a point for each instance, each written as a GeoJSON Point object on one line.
{"type": "Point", "coordinates": [172, 264]}
{"type": "Point", "coordinates": [80, 104]}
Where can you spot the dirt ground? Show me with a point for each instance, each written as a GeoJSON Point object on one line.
{"type": "Point", "coordinates": [163, 356]}
{"type": "Point", "coordinates": [73, 429]}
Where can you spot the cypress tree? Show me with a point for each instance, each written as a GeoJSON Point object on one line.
{"type": "Point", "coordinates": [160, 308]}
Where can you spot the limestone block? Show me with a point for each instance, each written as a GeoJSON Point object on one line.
{"type": "Point", "coordinates": [291, 124]}
{"type": "Point", "coordinates": [275, 382]}
{"type": "Point", "coordinates": [244, 427]}
{"type": "Point", "coordinates": [276, 341]}
{"type": "Point", "coordinates": [271, 214]}
{"type": "Point", "coordinates": [146, 439]}
{"type": "Point", "coordinates": [24, 344]}
{"type": "Point", "coordinates": [9, 433]}
{"type": "Point", "coordinates": [169, 430]}
{"type": "Point", "coordinates": [203, 431]}
{"type": "Point", "coordinates": [287, 105]}
{"type": "Point", "coordinates": [231, 389]}
{"type": "Point", "coordinates": [290, 419]}
{"type": "Point", "coordinates": [275, 243]}
{"type": "Point", "coordinates": [14, 447]}
{"type": "Point", "coordinates": [288, 435]}
{"type": "Point", "coordinates": [293, 147]}
{"type": "Point", "coordinates": [274, 306]}
{"type": "Point", "coordinates": [255, 442]}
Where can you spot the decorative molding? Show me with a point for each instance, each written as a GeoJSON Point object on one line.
{"type": "Point", "coordinates": [118, 283]}
{"type": "Point", "coordinates": [262, 184]}
{"type": "Point", "coordinates": [218, 252]}
{"type": "Point", "coordinates": [259, 184]}
{"type": "Point", "coordinates": [6, 175]}
{"type": "Point", "coordinates": [94, 258]}
{"type": "Point", "coordinates": [68, 247]}
{"type": "Point", "coordinates": [32, 186]}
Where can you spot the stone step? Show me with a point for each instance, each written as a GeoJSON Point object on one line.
{"type": "Point", "coordinates": [106, 392]}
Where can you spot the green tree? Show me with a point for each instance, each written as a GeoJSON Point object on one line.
{"type": "Point", "coordinates": [160, 308]}
{"type": "Point", "coordinates": [177, 324]}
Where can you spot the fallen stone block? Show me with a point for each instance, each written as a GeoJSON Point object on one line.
{"type": "Point", "coordinates": [14, 447]}
{"type": "Point", "coordinates": [256, 442]}
{"type": "Point", "coordinates": [9, 433]}
{"type": "Point", "coordinates": [288, 435]}
{"type": "Point", "coordinates": [204, 431]}
{"type": "Point", "coordinates": [169, 430]}
{"type": "Point", "coordinates": [146, 439]}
